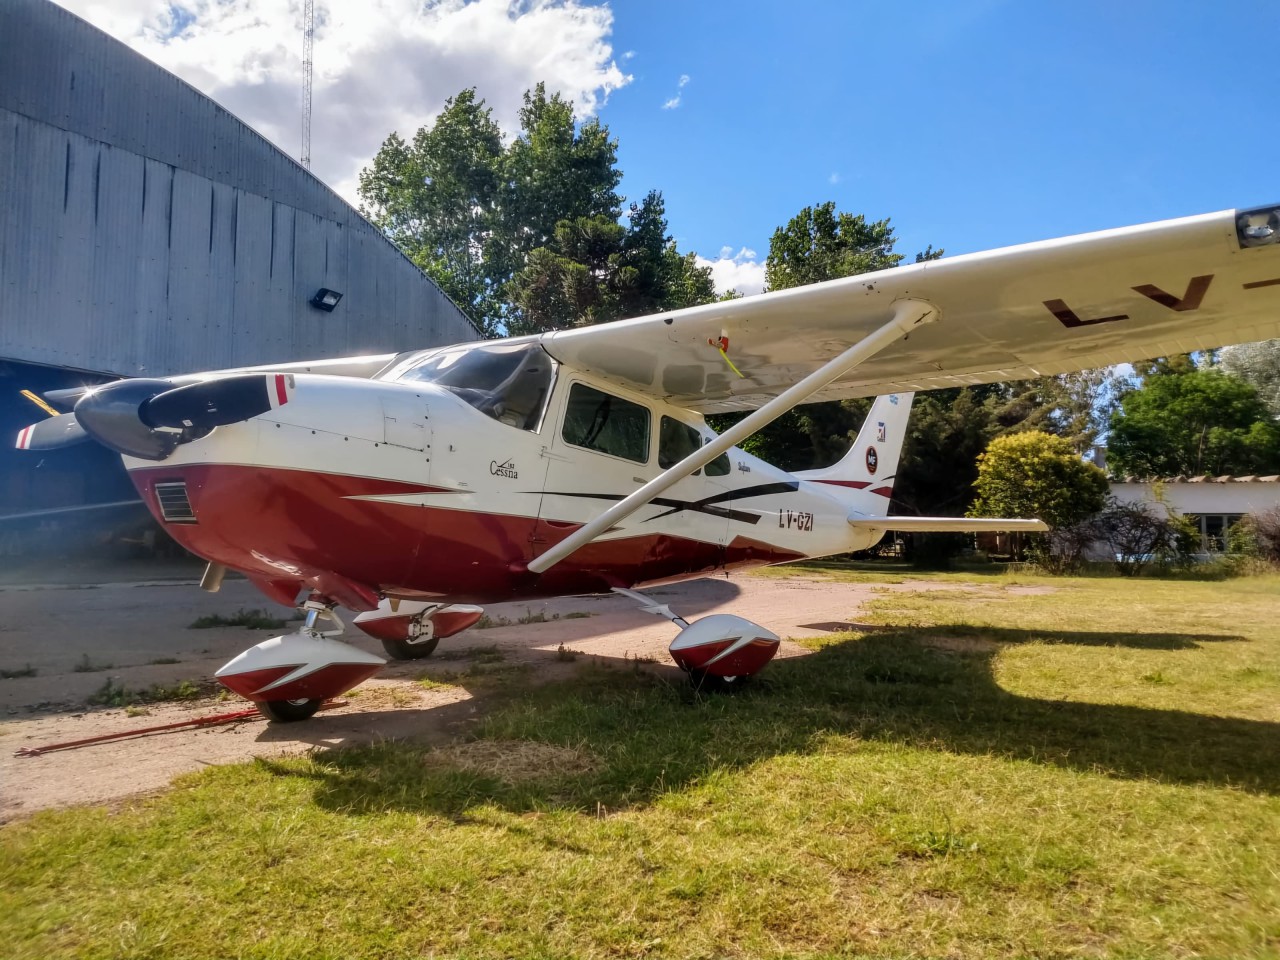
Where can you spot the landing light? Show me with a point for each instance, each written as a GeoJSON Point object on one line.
{"type": "Point", "coordinates": [1257, 228]}
{"type": "Point", "coordinates": [326, 299]}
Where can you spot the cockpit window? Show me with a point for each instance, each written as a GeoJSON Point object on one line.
{"type": "Point", "coordinates": [508, 383]}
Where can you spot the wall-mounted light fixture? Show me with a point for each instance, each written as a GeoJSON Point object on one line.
{"type": "Point", "coordinates": [326, 299]}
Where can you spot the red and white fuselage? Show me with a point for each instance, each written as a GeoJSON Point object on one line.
{"type": "Point", "coordinates": [357, 488]}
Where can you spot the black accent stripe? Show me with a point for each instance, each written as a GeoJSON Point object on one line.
{"type": "Point", "coordinates": [707, 505]}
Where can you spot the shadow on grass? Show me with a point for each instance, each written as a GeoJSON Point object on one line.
{"type": "Point", "coordinates": [652, 734]}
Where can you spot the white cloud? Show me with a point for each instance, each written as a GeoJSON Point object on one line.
{"type": "Point", "coordinates": [833, 179]}
{"type": "Point", "coordinates": [380, 65]}
{"type": "Point", "coordinates": [675, 101]}
{"type": "Point", "coordinates": [741, 271]}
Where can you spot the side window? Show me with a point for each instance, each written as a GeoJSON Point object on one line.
{"type": "Point", "coordinates": [719, 467]}
{"type": "Point", "coordinates": [676, 441]}
{"type": "Point", "coordinates": [599, 421]}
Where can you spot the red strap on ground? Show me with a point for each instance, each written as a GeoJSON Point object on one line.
{"type": "Point", "coordinates": [213, 721]}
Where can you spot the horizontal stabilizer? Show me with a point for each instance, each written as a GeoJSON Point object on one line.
{"type": "Point", "coordinates": [950, 524]}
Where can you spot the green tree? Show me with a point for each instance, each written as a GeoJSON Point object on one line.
{"type": "Point", "coordinates": [1194, 423]}
{"type": "Point", "coordinates": [526, 236]}
{"type": "Point", "coordinates": [820, 244]}
{"type": "Point", "coordinates": [594, 270]}
{"type": "Point", "coordinates": [553, 170]}
{"type": "Point", "coordinates": [1259, 365]}
{"type": "Point", "coordinates": [437, 199]}
{"type": "Point", "coordinates": [1035, 474]}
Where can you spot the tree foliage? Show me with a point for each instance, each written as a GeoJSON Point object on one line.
{"type": "Point", "coordinates": [437, 198]}
{"type": "Point", "coordinates": [1035, 474]}
{"type": "Point", "coordinates": [1193, 423]}
{"type": "Point", "coordinates": [527, 236]}
{"type": "Point", "coordinates": [819, 244]}
{"type": "Point", "coordinates": [1259, 365]}
{"type": "Point", "coordinates": [593, 270]}
{"type": "Point", "coordinates": [1139, 534]}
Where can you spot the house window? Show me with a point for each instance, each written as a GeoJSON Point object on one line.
{"type": "Point", "coordinates": [607, 424]}
{"type": "Point", "coordinates": [1214, 529]}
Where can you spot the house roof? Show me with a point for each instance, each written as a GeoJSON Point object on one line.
{"type": "Point", "coordinates": [1205, 479]}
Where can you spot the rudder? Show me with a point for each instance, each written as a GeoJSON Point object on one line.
{"type": "Point", "coordinates": [866, 473]}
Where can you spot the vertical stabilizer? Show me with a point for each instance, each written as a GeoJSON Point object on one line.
{"type": "Point", "coordinates": [864, 477]}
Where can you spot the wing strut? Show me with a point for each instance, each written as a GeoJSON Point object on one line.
{"type": "Point", "coordinates": [907, 315]}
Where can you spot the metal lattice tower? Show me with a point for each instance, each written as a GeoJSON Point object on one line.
{"type": "Point", "coordinates": [308, 41]}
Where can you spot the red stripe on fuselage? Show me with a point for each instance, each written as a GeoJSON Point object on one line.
{"type": "Point", "coordinates": [309, 526]}
{"type": "Point", "coordinates": [852, 484]}
{"type": "Point", "coordinates": [281, 397]}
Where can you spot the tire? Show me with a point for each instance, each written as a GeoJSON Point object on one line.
{"type": "Point", "coordinates": [704, 682]}
{"type": "Point", "coordinates": [289, 711]}
{"type": "Point", "coordinates": [404, 650]}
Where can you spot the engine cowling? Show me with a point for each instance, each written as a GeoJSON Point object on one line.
{"type": "Point", "coordinates": [723, 645]}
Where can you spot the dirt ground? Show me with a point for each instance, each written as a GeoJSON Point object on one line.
{"type": "Point", "coordinates": [76, 638]}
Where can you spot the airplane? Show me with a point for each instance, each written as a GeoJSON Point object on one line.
{"type": "Point", "coordinates": [415, 487]}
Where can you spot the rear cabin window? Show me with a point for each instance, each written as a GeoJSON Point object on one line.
{"type": "Point", "coordinates": [719, 467]}
{"type": "Point", "coordinates": [676, 441]}
{"type": "Point", "coordinates": [605, 423]}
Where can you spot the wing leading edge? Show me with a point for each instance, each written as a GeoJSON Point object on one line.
{"type": "Point", "coordinates": [1033, 310]}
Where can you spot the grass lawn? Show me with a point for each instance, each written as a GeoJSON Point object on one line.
{"type": "Point", "coordinates": [1092, 771]}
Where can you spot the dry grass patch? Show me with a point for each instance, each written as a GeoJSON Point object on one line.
{"type": "Point", "coordinates": [513, 761]}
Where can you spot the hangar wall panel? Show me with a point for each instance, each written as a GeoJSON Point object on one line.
{"type": "Point", "coordinates": [146, 230]}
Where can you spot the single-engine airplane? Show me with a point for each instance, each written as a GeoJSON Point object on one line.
{"type": "Point", "coordinates": [413, 487]}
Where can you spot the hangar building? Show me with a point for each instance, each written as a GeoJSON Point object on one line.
{"type": "Point", "coordinates": [145, 231]}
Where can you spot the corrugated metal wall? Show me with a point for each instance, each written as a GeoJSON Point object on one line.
{"type": "Point", "coordinates": [146, 230]}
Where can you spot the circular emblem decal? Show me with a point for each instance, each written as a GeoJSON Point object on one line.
{"type": "Point", "coordinates": [873, 460]}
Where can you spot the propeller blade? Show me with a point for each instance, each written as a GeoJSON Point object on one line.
{"type": "Point", "coordinates": [217, 403]}
{"type": "Point", "coordinates": [59, 431]}
{"type": "Point", "coordinates": [66, 397]}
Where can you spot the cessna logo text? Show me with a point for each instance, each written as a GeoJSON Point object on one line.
{"type": "Point", "coordinates": [505, 469]}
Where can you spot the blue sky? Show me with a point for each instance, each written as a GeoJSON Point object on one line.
{"type": "Point", "coordinates": [971, 125]}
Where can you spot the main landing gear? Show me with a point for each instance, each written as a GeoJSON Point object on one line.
{"type": "Point", "coordinates": [289, 677]}
{"type": "Point", "coordinates": [718, 652]}
{"type": "Point", "coordinates": [411, 630]}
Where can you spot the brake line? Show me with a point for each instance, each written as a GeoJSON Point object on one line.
{"type": "Point", "coordinates": [213, 721]}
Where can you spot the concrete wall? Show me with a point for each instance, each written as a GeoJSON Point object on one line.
{"type": "Point", "coordinates": [1225, 497]}
{"type": "Point", "coordinates": [146, 230]}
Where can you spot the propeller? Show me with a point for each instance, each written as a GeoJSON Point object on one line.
{"type": "Point", "coordinates": [214, 403]}
{"type": "Point", "coordinates": [148, 418]}
{"type": "Point", "coordinates": [59, 431]}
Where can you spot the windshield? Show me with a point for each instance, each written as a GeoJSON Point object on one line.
{"type": "Point", "coordinates": [508, 383]}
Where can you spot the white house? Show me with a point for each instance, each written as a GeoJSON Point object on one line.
{"type": "Point", "coordinates": [1216, 502]}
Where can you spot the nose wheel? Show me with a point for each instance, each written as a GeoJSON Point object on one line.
{"type": "Point", "coordinates": [289, 711]}
{"type": "Point", "coordinates": [290, 676]}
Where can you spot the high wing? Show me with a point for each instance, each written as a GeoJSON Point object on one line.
{"type": "Point", "coordinates": [1033, 310]}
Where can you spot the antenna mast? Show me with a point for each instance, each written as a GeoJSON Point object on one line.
{"type": "Point", "coordinates": [308, 40]}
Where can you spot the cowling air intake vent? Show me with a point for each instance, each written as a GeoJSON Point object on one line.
{"type": "Point", "coordinates": [174, 505]}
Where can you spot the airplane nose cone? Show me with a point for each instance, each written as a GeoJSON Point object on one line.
{"type": "Point", "coordinates": [112, 415]}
